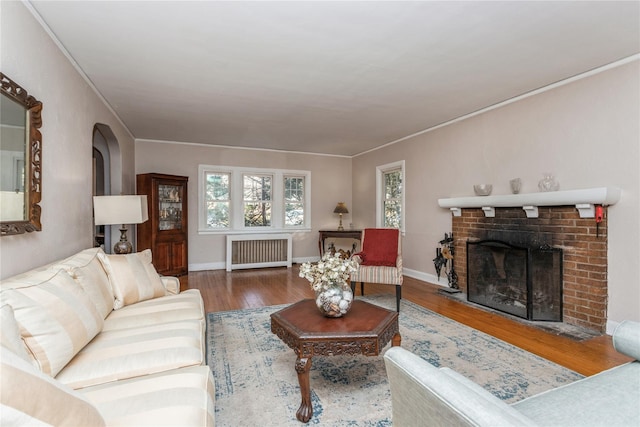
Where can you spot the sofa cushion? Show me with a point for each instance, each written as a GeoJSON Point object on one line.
{"type": "Point", "coordinates": [56, 319]}
{"type": "Point", "coordinates": [87, 269]}
{"type": "Point", "coordinates": [127, 353]}
{"type": "Point", "coordinates": [10, 333]}
{"type": "Point", "coordinates": [133, 278]}
{"type": "Point", "coordinates": [29, 397]}
{"type": "Point", "coordinates": [178, 397]}
{"type": "Point", "coordinates": [187, 305]}
{"type": "Point", "coordinates": [609, 398]}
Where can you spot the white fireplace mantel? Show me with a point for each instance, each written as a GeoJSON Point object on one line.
{"type": "Point", "coordinates": [584, 200]}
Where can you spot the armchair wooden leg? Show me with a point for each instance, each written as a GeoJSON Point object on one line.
{"type": "Point", "coordinates": [353, 287]}
{"type": "Point", "coordinates": [398, 297]}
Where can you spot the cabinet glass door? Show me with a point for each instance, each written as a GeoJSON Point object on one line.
{"type": "Point", "coordinates": [170, 207]}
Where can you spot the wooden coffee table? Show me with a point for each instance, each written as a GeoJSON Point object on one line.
{"type": "Point", "coordinates": [365, 329]}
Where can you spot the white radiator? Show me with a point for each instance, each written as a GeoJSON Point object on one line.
{"type": "Point", "coordinates": [258, 250]}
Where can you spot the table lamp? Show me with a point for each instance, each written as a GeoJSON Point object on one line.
{"type": "Point", "coordinates": [110, 210]}
{"type": "Point", "coordinates": [341, 208]}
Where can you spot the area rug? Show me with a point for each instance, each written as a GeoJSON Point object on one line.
{"type": "Point", "coordinates": [256, 383]}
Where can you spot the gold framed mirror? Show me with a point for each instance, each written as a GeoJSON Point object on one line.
{"type": "Point", "coordinates": [21, 159]}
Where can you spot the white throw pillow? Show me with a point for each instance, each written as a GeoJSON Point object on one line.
{"type": "Point", "coordinates": [87, 269]}
{"type": "Point", "coordinates": [56, 319]}
{"type": "Point", "coordinates": [30, 397]}
{"type": "Point", "coordinates": [10, 333]}
{"type": "Point", "coordinates": [133, 278]}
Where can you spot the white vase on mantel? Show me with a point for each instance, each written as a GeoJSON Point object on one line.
{"type": "Point", "coordinates": [548, 183]}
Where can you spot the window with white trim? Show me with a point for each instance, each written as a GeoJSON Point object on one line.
{"type": "Point", "coordinates": [217, 199]}
{"type": "Point", "coordinates": [233, 199]}
{"type": "Point", "coordinates": [256, 200]}
{"type": "Point", "coordinates": [294, 200]}
{"type": "Point", "coordinates": [390, 195]}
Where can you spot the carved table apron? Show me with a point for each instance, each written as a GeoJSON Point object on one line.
{"type": "Point", "coordinates": [365, 329]}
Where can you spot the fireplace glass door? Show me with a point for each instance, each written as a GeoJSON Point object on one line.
{"type": "Point", "coordinates": [522, 281]}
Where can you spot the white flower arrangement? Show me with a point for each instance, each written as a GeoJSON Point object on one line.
{"type": "Point", "coordinates": [330, 270]}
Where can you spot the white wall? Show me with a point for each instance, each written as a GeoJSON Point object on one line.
{"type": "Point", "coordinates": [330, 184]}
{"type": "Point", "coordinates": [70, 110]}
{"type": "Point", "coordinates": [587, 133]}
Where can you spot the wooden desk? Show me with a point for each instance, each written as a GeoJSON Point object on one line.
{"type": "Point", "coordinates": [344, 234]}
{"type": "Point", "coordinates": [365, 329]}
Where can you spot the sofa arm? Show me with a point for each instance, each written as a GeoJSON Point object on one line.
{"type": "Point", "coordinates": [626, 338]}
{"type": "Point", "coordinates": [171, 284]}
{"type": "Point", "coordinates": [422, 394]}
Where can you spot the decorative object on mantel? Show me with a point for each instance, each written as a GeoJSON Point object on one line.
{"type": "Point", "coordinates": [482, 189]}
{"type": "Point", "coordinates": [444, 259]}
{"type": "Point", "coordinates": [584, 201]}
{"type": "Point", "coordinates": [329, 279]}
{"type": "Point", "coordinates": [548, 183]}
{"type": "Point", "coordinates": [341, 208]}
{"type": "Point", "coordinates": [516, 184]}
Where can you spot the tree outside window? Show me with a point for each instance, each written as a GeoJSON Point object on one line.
{"type": "Point", "coordinates": [294, 210]}
{"type": "Point", "coordinates": [392, 202]}
{"type": "Point", "coordinates": [257, 200]}
{"type": "Point", "coordinates": [217, 191]}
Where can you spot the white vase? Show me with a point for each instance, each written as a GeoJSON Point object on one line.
{"type": "Point", "coordinates": [515, 183]}
{"type": "Point", "coordinates": [335, 300]}
{"type": "Point", "coordinates": [548, 183]}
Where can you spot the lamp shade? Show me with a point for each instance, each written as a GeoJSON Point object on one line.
{"type": "Point", "coordinates": [120, 209]}
{"type": "Point", "coordinates": [341, 208]}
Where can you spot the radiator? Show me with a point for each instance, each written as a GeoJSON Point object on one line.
{"type": "Point", "coordinates": [258, 250]}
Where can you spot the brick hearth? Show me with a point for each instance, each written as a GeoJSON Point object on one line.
{"type": "Point", "coordinates": [585, 255]}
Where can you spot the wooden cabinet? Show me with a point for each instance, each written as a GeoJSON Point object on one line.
{"type": "Point", "coordinates": [166, 231]}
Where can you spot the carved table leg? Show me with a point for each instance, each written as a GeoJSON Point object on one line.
{"type": "Point", "coordinates": [395, 341]}
{"type": "Point", "coordinates": [305, 411]}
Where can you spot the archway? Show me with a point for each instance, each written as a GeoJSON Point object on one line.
{"type": "Point", "coordinates": [107, 178]}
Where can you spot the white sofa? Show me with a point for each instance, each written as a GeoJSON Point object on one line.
{"type": "Point", "coordinates": [425, 395]}
{"type": "Point", "coordinates": [100, 339]}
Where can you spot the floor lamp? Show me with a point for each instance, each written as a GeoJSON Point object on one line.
{"type": "Point", "coordinates": [110, 210]}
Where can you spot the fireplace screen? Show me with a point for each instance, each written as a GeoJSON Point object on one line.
{"type": "Point", "coordinates": [522, 281]}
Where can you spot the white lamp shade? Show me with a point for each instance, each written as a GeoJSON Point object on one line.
{"type": "Point", "coordinates": [120, 210]}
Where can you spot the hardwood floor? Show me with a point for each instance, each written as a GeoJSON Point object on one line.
{"type": "Point", "coordinates": [242, 289]}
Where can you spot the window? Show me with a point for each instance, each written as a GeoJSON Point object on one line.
{"type": "Point", "coordinates": [390, 195]}
{"type": "Point", "coordinates": [243, 199]}
{"type": "Point", "coordinates": [294, 192]}
{"type": "Point", "coordinates": [256, 194]}
{"type": "Point", "coordinates": [217, 199]}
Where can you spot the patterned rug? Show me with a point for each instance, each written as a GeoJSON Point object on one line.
{"type": "Point", "coordinates": [256, 383]}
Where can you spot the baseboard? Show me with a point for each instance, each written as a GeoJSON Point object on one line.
{"type": "Point", "coordinates": [426, 277]}
{"type": "Point", "coordinates": [306, 259]}
{"type": "Point", "coordinates": [208, 266]}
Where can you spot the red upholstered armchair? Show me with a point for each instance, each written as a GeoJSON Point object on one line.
{"type": "Point", "coordinates": [380, 260]}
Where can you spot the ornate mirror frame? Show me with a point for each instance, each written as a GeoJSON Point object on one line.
{"type": "Point", "coordinates": [33, 165]}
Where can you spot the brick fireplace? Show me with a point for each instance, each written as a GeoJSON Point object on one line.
{"type": "Point", "coordinates": [584, 272]}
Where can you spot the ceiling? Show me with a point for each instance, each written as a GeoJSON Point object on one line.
{"type": "Point", "coordinates": [337, 78]}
